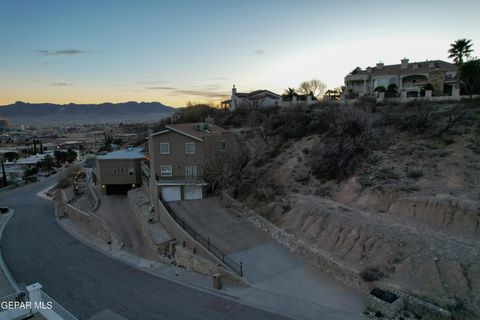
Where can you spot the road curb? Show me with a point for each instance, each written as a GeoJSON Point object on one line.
{"type": "Point", "coordinates": [110, 255]}
{"type": "Point", "coordinates": [3, 265]}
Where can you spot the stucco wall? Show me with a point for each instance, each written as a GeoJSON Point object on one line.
{"type": "Point", "coordinates": [105, 175]}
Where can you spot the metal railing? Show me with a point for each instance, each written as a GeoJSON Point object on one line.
{"type": "Point", "coordinates": [57, 308]}
{"type": "Point", "coordinates": [20, 297]}
{"type": "Point", "coordinates": [205, 242]}
{"type": "Point", "coordinates": [181, 180]}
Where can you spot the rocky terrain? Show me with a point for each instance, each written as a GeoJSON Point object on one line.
{"type": "Point", "coordinates": [390, 191]}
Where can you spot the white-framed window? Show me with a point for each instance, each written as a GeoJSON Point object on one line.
{"type": "Point", "coordinates": [223, 145]}
{"type": "Point", "coordinates": [166, 171]}
{"type": "Point", "coordinates": [122, 170]}
{"type": "Point", "coordinates": [130, 172]}
{"type": "Point", "coordinates": [191, 172]}
{"type": "Point", "coordinates": [164, 148]}
{"type": "Point", "coordinates": [114, 170]}
{"type": "Point", "coordinates": [190, 147]}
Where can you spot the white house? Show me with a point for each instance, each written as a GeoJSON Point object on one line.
{"type": "Point", "coordinates": [262, 98]}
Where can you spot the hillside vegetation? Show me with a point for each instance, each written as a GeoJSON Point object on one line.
{"type": "Point", "coordinates": [389, 188]}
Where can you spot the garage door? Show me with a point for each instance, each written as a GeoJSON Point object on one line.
{"type": "Point", "coordinates": [192, 192]}
{"type": "Point", "coordinates": [118, 188]}
{"type": "Point", "coordinates": [171, 194]}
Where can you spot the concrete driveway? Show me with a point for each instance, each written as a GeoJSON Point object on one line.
{"type": "Point", "coordinates": [116, 210]}
{"type": "Point", "coordinates": [267, 265]}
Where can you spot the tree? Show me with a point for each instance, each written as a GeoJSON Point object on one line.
{"type": "Point", "coordinates": [290, 93]}
{"type": "Point", "coordinates": [313, 87]}
{"type": "Point", "coordinates": [41, 147]}
{"type": "Point", "coordinates": [34, 146]}
{"type": "Point", "coordinates": [380, 89]}
{"type": "Point", "coordinates": [355, 71]}
{"type": "Point", "coordinates": [391, 91]}
{"type": "Point", "coordinates": [46, 163]}
{"type": "Point", "coordinates": [460, 50]}
{"type": "Point", "coordinates": [470, 77]}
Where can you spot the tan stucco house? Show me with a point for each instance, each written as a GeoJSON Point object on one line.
{"type": "Point", "coordinates": [177, 157]}
{"type": "Point", "coordinates": [119, 171]}
{"type": "Point", "coordinates": [409, 77]}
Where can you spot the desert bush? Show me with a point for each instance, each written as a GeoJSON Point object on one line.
{"type": "Point", "coordinates": [346, 146]}
{"type": "Point", "coordinates": [415, 174]}
{"type": "Point", "coordinates": [371, 274]}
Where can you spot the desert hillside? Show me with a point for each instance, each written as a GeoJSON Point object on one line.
{"type": "Point", "coordinates": [389, 190]}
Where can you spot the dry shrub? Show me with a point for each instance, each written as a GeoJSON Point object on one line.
{"type": "Point", "coordinates": [346, 145]}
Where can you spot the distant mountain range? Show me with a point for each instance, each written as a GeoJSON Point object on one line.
{"type": "Point", "coordinates": [48, 113]}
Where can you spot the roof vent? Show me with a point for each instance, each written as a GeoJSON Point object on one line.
{"type": "Point", "coordinates": [380, 65]}
{"type": "Point", "coordinates": [404, 64]}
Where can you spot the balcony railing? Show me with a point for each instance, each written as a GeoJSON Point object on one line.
{"type": "Point", "coordinates": [181, 180]}
{"type": "Point", "coordinates": [145, 165]}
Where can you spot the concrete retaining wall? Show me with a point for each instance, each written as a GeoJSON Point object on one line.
{"type": "Point", "coordinates": [327, 263]}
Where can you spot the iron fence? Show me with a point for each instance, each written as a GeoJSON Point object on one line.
{"type": "Point", "coordinates": [205, 242]}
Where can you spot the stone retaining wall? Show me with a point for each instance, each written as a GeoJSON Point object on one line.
{"type": "Point", "coordinates": [193, 262]}
{"type": "Point", "coordinates": [88, 220]}
{"type": "Point", "coordinates": [327, 263]}
{"type": "Point", "coordinates": [182, 237]}
{"type": "Point", "coordinates": [155, 247]}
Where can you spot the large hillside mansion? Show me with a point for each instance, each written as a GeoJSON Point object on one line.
{"type": "Point", "coordinates": [409, 77]}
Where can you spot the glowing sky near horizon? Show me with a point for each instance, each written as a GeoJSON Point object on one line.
{"type": "Point", "coordinates": [176, 51]}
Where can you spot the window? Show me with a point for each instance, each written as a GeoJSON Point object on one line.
{"type": "Point", "coordinates": [190, 147]}
{"type": "Point", "coordinates": [164, 148]}
{"type": "Point", "coordinates": [223, 145]}
{"type": "Point", "coordinates": [122, 170]}
{"type": "Point", "coordinates": [130, 172]}
{"type": "Point", "coordinates": [166, 171]}
{"type": "Point", "coordinates": [114, 170]}
{"type": "Point", "coordinates": [191, 172]}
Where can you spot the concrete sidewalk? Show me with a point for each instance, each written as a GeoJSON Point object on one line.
{"type": "Point", "coordinates": [277, 277]}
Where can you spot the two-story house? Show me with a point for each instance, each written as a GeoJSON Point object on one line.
{"type": "Point", "coordinates": [407, 76]}
{"type": "Point", "coordinates": [177, 158]}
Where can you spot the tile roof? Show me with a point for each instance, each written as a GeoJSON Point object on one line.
{"type": "Point", "coordinates": [422, 67]}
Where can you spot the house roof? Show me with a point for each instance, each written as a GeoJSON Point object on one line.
{"type": "Point", "coordinates": [421, 67]}
{"type": "Point", "coordinates": [195, 130]}
{"type": "Point", "coordinates": [130, 153]}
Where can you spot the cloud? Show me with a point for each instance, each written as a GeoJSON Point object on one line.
{"type": "Point", "coordinates": [152, 82]}
{"type": "Point", "coordinates": [61, 84]}
{"type": "Point", "coordinates": [202, 93]}
{"type": "Point", "coordinates": [66, 52]}
{"type": "Point", "coordinates": [161, 88]}
{"type": "Point", "coordinates": [258, 52]}
{"type": "Point", "coordinates": [219, 78]}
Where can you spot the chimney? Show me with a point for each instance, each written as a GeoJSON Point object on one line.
{"type": "Point", "coordinates": [404, 63]}
{"type": "Point", "coordinates": [233, 103]}
{"type": "Point", "coordinates": [380, 65]}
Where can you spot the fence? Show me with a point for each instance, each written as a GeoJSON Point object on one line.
{"type": "Point", "coordinates": [57, 308]}
{"type": "Point", "coordinates": [205, 242]}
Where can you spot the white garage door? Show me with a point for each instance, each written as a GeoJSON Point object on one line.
{"type": "Point", "coordinates": [192, 192]}
{"type": "Point", "coordinates": [171, 193]}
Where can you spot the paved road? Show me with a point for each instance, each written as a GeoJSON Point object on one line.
{"type": "Point", "coordinates": [86, 282]}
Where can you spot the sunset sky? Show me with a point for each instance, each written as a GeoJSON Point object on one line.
{"type": "Point", "coordinates": [175, 51]}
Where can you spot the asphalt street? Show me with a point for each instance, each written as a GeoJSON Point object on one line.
{"type": "Point", "coordinates": [85, 282]}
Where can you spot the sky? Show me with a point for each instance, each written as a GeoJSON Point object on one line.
{"type": "Point", "coordinates": [93, 51]}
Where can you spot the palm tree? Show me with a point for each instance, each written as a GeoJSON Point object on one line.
{"type": "Point", "coordinates": [460, 50]}
{"type": "Point", "coordinates": [290, 93]}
